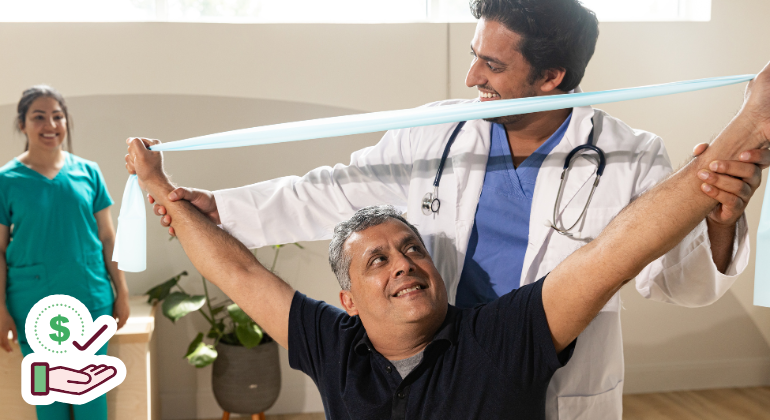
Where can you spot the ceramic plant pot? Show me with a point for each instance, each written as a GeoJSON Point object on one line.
{"type": "Point", "coordinates": [246, 381]}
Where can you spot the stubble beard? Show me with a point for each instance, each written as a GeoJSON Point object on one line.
{"type": "Point", "coordinates": [529, 91]}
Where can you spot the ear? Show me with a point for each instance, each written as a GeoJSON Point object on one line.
{"type": "Point", "coordinates": [346, 299]}
{"type": "Point", "coordinates": [551, 79]}
{"type": "Point", "coordinates": [22, 128]}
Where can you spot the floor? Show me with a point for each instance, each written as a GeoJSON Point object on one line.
{"type": "Point", "coordinates": [712, 404]}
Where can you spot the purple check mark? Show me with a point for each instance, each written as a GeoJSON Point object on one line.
{"type": "Point", "coordinates": [91, 341]}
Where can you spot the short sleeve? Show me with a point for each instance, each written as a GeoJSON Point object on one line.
{"type": "Point", "coordinates": [5, 213]}
{"type": "Point", "coordinates": [515, 332]}
{"type": "Point", "coordinates": [102, 198]}
{"type": "Point", "coordinates": [314, 334]}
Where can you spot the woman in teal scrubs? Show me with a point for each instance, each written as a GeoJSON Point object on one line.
{"type": "Point", "coordinates": [56, 234]}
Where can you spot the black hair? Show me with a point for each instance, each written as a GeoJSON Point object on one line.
{"type": "Point", "coordinates": [555, 33]}
{"type": "Point", "coordinates": [363, 219]}
{"type": "Point", "coordinates": [29, 96]}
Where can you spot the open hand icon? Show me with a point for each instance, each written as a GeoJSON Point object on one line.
{"type": "Point", "coordinates": [69, 381]}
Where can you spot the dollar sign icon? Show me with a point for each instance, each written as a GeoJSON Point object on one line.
{"type": "Point", "coordinates": [62, 332]}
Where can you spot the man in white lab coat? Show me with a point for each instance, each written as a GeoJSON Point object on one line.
{"type": "Point", "coordinates": [492, 232]}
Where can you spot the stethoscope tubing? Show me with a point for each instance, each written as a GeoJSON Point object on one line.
{"type": "Point", "coordinates": [431, 202]}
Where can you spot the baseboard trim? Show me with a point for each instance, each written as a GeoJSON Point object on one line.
{"type": "Point", "coordinates": [682, 376]}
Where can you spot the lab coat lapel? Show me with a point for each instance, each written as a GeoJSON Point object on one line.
{"type": "Point", "coordinates": [469, 162]}
{"type": "Point", "coordinates": [547, 185]}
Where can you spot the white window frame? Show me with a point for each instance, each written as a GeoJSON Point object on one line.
{"type": "Point", "coordinates": [436, 11]}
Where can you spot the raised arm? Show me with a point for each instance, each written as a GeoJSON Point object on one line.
{"type": "Point", "coordinates": [577, 288]}
{"type": "Point", "coordinates": [218, 256]}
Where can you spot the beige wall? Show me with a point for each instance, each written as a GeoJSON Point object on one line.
{"type": "Point", "coordinates": [172, 81]}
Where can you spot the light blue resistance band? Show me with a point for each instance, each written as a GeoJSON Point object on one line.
{"type": "Point", "coordinates": [130, 247]}
{"type": "Point", "coordinates": [416, 117]}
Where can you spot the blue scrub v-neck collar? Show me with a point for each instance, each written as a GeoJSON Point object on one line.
{"type": "Point", "coordinates": [522, 179]}
{"type": "Point", "coordinates": [55, 177]}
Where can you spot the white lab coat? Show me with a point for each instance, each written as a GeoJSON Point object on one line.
{"type": "Point", "coordinates": [400, 169]}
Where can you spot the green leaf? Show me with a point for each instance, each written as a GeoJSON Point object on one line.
{"type": "Point", "coordinates": [179, 304]}
{"type": "Point", "coordinates": [215, 311]}
{"type": "Point", "coordinates": [203, 355]}
{"type": "Point", "coordinates": [231, 339]}
{"type": "Point", "coordinates": [237, 314]}
{"type": "Point", "coordinates": [217, 331]}
{"type": "Point", "coordinates": [161, 291]}
{"type": "Point", "coordinates": [194, 344]}
{"type": "Point", "coordinates": [249, 334]}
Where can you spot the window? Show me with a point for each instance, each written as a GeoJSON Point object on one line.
{"type": "Point", "coordinates": [650, 10]}
{"type": "Point", "coordinates": [318, 11]}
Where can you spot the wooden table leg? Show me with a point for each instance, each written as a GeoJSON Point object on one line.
{"type": "Point", "coordinates": [260, 416]}
{"type": "Point", "coordinates": [226, 416]}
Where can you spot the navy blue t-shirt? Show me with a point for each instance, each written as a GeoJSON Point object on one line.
{"type": "Point", "coordinates": [492, 361]}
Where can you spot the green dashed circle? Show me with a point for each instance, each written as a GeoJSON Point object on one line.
{"type": "Point", "coordinates": [82, 326]}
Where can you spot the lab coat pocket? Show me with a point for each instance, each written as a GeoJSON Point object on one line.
{"type": "Point", "coordinates": [26, 286]}
{"type": "Point", "coordinates": [605, 406]}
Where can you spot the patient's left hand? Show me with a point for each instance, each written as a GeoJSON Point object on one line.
{"type": "Point", "coordinates": [732, 182]}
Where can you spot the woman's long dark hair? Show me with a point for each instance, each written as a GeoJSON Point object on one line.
{"type": "Point", "coordinates": [29, 96]}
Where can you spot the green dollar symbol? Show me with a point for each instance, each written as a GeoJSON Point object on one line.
{"type": "Point", "coordinates": [63, 332]}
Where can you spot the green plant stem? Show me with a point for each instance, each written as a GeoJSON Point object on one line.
{"type": "Point", "coordinates": [211, 321]}
{"type": "Point", "coordinates": [211, 311]}
{"type": "Point", "coordinates": [275, 259]}
{"type": "Point", "coordinates": [180, 287]}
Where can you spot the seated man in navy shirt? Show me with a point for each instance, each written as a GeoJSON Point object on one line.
{"type": "Point", "coordinates": [399, 350]}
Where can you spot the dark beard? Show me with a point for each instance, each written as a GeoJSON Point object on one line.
{"type": "Point", "coordinates": [509, 119]}
{"type": "Point", "coordinates": [514, 119]}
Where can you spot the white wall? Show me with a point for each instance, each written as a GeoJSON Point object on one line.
{"type": "Point", "coordinates": [172, 81]}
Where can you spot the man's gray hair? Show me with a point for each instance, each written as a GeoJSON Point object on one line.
{"type": "Point", "coordinates": [363, 219]}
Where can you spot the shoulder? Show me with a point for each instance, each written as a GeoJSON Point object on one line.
{"type": "Point", "coordinates": [619, 135]}
{"type": "Point", "coordinates": [306, 311]}
{"type": "Point", "coordinates": [440, 129]}
{"type": "Point", "coordinates": [12, 169]}
{"type": "Point", "coordinates": [448, 102]}
{"type": "Point", "coordinates": [79, 161]}
{"type": "Point", "coordinates": [9, 167]}
{"type": "Point", "coordinates": [86, 165]}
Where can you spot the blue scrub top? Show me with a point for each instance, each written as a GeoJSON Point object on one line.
{"type": "Point", "coordinates": [55, 247]}
{"type": "Point", "coordinates": [500, 232]}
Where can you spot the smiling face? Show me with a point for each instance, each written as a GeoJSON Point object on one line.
{"type": "Point", "coordinates": [45, 124]}
{"type": "Point", "coordinates": [393, 279]}
{"type": "Point", "coordinates": [500, 71]}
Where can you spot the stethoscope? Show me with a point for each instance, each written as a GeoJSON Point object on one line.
{"type": "Point", "coordinates": [432, 204]}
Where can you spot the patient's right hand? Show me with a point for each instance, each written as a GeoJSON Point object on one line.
{"type": "Point", "coordinates": [203, 200]}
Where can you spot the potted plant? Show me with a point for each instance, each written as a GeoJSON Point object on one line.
{"type": "Point", "coordinates": [246, 375]}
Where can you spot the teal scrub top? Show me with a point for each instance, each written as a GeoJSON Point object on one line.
{"type": "Point", "coordinates": [54, 247]}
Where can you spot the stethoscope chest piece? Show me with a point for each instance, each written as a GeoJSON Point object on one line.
{"type": "Point", "coordinates": [430, 202]}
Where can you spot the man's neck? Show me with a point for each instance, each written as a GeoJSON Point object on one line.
{"type": "Point", "coordinates": [403, 341]}
{"type": "Point", "coordinates": [525, 136]}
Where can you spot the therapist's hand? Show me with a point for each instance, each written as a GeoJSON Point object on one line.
{"type": "Point", "coordinates": [732, 183]}
{"type": "Point", "coordinates": [202, 200]}
{"type": "Point", "coordinates": [7, 325]}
